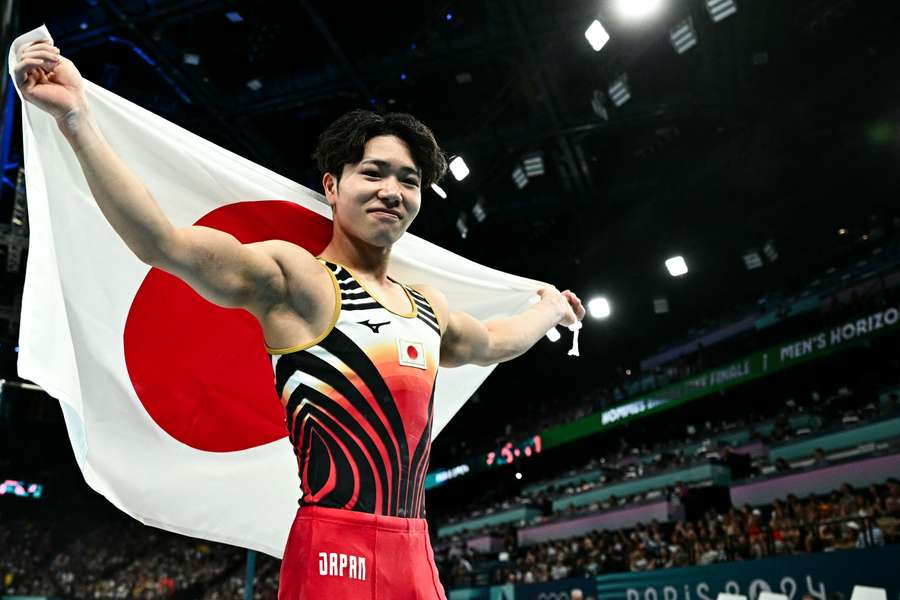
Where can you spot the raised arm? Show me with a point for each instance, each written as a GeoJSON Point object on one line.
{"type": "Point", "coordinates": [213, 263]}
{"type": "Point", "coordinates": [466, 340]}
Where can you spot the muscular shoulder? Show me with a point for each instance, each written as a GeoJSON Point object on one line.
{"type": "Point", "coordinates": [307, 286]}
{"type": "Point", "coordinates": [438, 301]}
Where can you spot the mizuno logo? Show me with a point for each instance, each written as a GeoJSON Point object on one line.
{"type": "Point", "coordinates": [373, 326]}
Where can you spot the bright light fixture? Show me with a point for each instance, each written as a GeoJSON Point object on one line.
{"type": "Point", "coordinates": [596, 35]}
{"type": "Point", "coordinates": [676, 266]}
{"type": "Point", "coordinates": [683, 36]}
{"type": "Point", "coordinates": [439, 190]}
{"type": "Point", "coordinates": [459, 168]}
{"type": "Point", "coordinates": [720, 9]}
{"type": "Point", "coordinates": [599, 308]}
{"type": "Point", "coordinates": [619, 92]}
{"type": "Point", "coordinates": [553, 335]}
{"type": "Point", "coordinates": [637, 9]}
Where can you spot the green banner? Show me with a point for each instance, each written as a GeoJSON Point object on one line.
{"type": "Point", "coordinates": [812, 347]}
{"type": "Point", "coordinates": [761, 364]}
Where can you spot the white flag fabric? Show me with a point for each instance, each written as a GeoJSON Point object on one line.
{"type": "Point", "coordinates": [168, 400]}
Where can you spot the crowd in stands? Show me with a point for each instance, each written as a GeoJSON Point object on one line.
{"type": "Point", "coordinates": [845, 519]}
{"type": "Point", "coordinates": [119, 559]}
{"type": "Point", "coordinates": [631, 382]}
{"type": "Point", "coordinates": [620, 461]}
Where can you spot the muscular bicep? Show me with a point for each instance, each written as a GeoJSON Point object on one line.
{"type": "Point", "coordinates": [223, 270]}
{"type": "Point", "coordinates": [465, 341]}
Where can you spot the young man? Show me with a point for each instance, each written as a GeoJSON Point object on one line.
{"type": "Point", "coordinates": [355, 353]}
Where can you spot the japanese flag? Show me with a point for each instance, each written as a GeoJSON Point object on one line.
{"type": "Point", "coordinates": [169, 401]}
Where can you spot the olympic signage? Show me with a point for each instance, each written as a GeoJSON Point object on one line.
{"type": "Point", "coordinates": [761, 364]}
{"type": "Point", "coordinates": [815, 575]}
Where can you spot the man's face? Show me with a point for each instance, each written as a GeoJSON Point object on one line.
{"type": "Point", "coordinates": [377, 198]}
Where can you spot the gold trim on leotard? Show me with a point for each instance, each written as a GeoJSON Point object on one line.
{"type": "Point", "coordinates": [412, 303]}
{"type": "Point", "coordinates": [334, 318]}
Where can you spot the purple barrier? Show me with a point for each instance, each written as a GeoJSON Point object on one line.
{"type": "Point", "coordinates": [611, 519]}
{"type": "Point", "coordinates": [754, 449]}
{"type": "Point", "coordinates": [485, 543]}
{"type": "Point", "coordinates": [727, 331]}
{"type": "Point", "coordinates": [820, 481]}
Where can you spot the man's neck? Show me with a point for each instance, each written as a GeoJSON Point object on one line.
{"type": "Point", "coordinates": [364, 259]}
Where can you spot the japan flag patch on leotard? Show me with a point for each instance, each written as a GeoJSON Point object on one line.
{"type": "Point", "coordinates": [411, 354]}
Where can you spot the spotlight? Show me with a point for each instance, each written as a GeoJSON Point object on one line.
{"type": "Point", "coordinates": [752, 259]}
{"type": "Point", "coordinates": [518, 476]}
{"type": "Point", "coordinates": [255, 85]}
{"type": "Point", "coordinates": [462, 227]}
{"type": "Point", "coordinates": [619, 92]}
{"type": "Point", "coordinates": [676, 266]}
{"type": "Point", "coordinates": [683, 36]}
{"type": "Point", "coordinates": [534, 164]}
{"type": "Point", "coordinates": [842, 231]}
{"type": "Point", "coordinates": [660, 306]}
{"type": "Point", "coordinates": [720, 9]}
{"type": "Point", "coordinates": [191, 59]}
{"type": "Point", "coordinates": [637, 9]}
{"type": "Point", "coordinates": [598, 105]}
{"type": "Point", "coordinates": [234, 16]}
{"type": "Point", "coordinates": [596, 35]}
{"type": "Point", "coordinates": [599, 308]}
{"type": "Point", "coordinates": [770, 251]}
{"type": "Point", "coordinates": [478, 211]}
{"type": "Point", "coordinates": [439, 190]}
{"type": "Point", "coordinates": [520, 177]}
{"type": "Point", "coordinates": [459, 168]}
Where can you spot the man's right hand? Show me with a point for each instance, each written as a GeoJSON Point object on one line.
{"type": "Point", "coordinates": [48, 80]}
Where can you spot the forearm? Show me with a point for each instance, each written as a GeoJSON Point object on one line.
{"type": "Point", "coordinates": [122, 198]}
{"type": "Point", "coordinates": [513, 336]}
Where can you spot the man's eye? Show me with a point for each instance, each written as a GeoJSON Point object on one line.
{"type": "Point", "coordinates": [371, 173]}
{"type": "Point", "coordinates": [412, 182]}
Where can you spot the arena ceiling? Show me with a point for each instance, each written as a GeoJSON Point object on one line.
{"type": "Point", "coordinates": [780, 125]}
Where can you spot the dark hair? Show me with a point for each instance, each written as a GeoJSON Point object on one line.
{"type": "Point", "coordinates": [343, 142]}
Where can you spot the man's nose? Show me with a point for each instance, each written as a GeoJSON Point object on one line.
{"type": "Point", "coordinates": [390, 191]}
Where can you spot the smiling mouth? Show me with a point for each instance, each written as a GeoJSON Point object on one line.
{"type": "Point", "coordinates": [385, 212]}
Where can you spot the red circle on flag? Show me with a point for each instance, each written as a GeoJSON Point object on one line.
{"type": "Point", "coordinates": [412, 352]}
{"type": "Point", "coordinates": [202, 371]}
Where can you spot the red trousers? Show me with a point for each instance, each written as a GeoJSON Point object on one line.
{"type": "Point", "coordinates": [341, 554]}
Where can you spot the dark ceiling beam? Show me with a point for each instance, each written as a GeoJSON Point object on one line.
{"type": "Point", "coordinates": [157, 18]}
{"type": "Point", "coordinates": [245, 141]}
{"type": "Point", "coordinates": [336, 49]}
{"type": "Point", "coordinates": [579, 178]}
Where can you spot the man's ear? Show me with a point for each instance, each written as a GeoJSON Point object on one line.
{"type": "Point", "coordinates": [330, 185]}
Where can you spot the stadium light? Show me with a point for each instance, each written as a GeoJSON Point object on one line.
{"type": "Point", "coordinates": [534, 164]}
{"type": "Point", "coordinates": [676, 266]}
{"type": "Point", "coordinates": [720, 9]}
{"type": "Point", "coordinates": [599, 308]}
{"type": "Point", "coordinates": [478, 210]}
{"type": "Point", "coordinates": [770, 251]}
{"type": "Point", "coordinates": [637, 9]}
{"type": "Point", "coordinates": [439, 190]}
{"type": "Point", "coordinates": [191, 59]}
{"type": "Point", "coordinates": [461, 226]}
{"type": "Point", "coordinates": [519, 177]}
{"type": "Point", "coordinates": [598, 105]}
{"type": "Point", "coordinates": [683, 36]}
{"type": "Point", "coordinates": [660, 306]}
{"type": "Point", "coordinates": [518, 476]}
{"type": "Point", "coordinates": [459, 168]}
{"type": "Point", "coordinates": [255, 85]}
{"type": "Point", "coordinates": [234, 17]}
{"type": "Point", "coordinates": [752, 259]}
{"type": "Point", "coordinates": [619, 92]}
{"type": "Point", "coordinates": [596, 35]}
